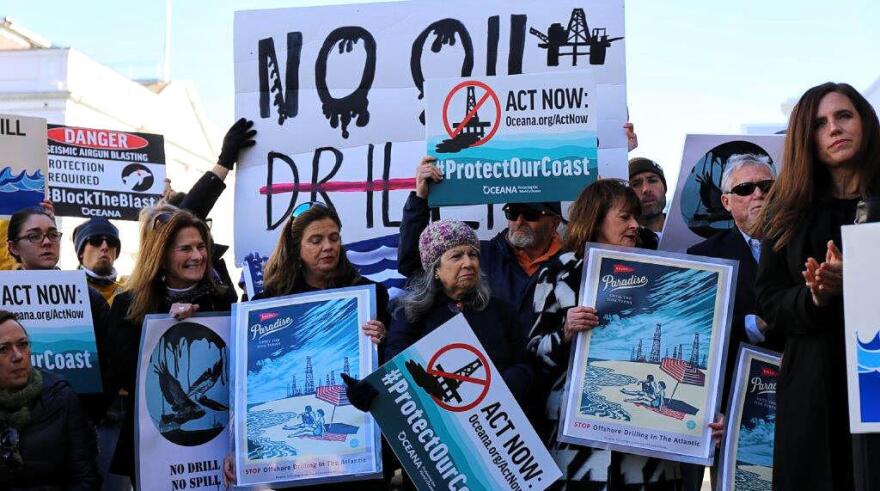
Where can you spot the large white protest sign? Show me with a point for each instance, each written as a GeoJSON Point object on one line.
{"type": "Point", "coordinates": [444, 408]}
{"type": "Point", "coordinates": [696, 212]}
{"type": "Point", "coordinates": [336, 94]}
{"type": "Point", "coordinates": [104, 173]}
{"type": "Point", "coordinates": [862, 315]}
{"type": "Point", "coordinates": [55, 309]}
{"type": "Point", "coordinates": [182, 402]}
{"type": "Point", "coordinates": [22, 162]}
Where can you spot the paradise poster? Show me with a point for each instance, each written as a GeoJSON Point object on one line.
{"type": "Point", "coordinates": [646, 380]}
{"type": "Point", "coordinates": [293, 421]}
{"type": "Point", "coordinates": [747, 453]}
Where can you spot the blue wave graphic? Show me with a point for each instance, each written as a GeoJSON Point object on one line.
{"type": "Point", "coordinates": [868, 354]}
{"type": "Point", "coordinates": [376, 259]}
{"type": "Point", "coordinates": [20, 191]}
{"type": "Point", "coordinates": [868, 358]}
{"type": "Point", "coordinates": [753, 445]}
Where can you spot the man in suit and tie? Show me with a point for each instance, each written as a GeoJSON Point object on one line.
{"type": "Point", "coordinates": [745, 182]}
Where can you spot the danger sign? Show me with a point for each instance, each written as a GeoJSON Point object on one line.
{"type": "Point", "coordinates": [464, 375]}
{"type": "Point", "coordinates": [470, 126]}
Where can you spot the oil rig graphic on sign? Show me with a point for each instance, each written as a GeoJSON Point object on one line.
{"type": "Point", "coordinates": [467, 131]}
{"type": "Point", "coordinates": [440, 386]}
{"type": "Point", "coordinates": [577, 38]}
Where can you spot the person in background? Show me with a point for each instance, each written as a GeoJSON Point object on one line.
{"type": "Point", "coordinates": [97, 248]}
{"type": "Point", "coordinates": [605, 212]}
{"type": "Point", "coordinates": [509, 260]}
{"type": "Point", "coordinates": [830, 163]}
{"type": "Point", "coordinates": [646, 178]}
{"type": "Point", "coordinates": [172, 274]}
{"type": "Point", "coordinates": [34, 242]}
{"type": "Point", "coordinates": [45, 439]}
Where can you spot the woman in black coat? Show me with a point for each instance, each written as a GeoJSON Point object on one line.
{"type": "Point", "coordinates": [45, 439]}
{"type": "Point", "coordinates": [831, 161]}
{"type": "Point", "coordinates": [173, 275]}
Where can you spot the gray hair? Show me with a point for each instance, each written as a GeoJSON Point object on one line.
{"type": "Point", "coordinates": [740, 160]}
{"type": "Point", "coordinates": [422, 291]}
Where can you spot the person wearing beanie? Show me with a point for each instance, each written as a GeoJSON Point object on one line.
{"type": "Point", "coordinates": [510, 260]}
{"type": "Point", "coordinates": [647, 179]}
{"type": "Point", "coordinates": [450, 282]}
{"type": "Point", "coordinates": [97, 248]}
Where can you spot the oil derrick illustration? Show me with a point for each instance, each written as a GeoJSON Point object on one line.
{"type": "Point", "coordinates": [695, 352]}
{"type": "Point", "coordinates": [345, 367]}
{"type": "Point", "coordinates": [450, 385]}
{"type": "Point", "coordinates": [577, 37]}
{"type": "Point", "coordinates": [474, 126]}
{"type": "Point", "coordinates": [310, 377]}
{"type": "Point", "coordinates": [655, 347]}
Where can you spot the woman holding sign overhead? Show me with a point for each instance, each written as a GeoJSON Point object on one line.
{"type": "Point", "coordinates": [831, 164]}
{"type": "Point", "coordinates": [172, 274]}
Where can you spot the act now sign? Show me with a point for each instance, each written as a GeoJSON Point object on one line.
{"type": "Point", "coordinates": [447, 414]}
{"type": "Point", "coordinates": [104, 173]}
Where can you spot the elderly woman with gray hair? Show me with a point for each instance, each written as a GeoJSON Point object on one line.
{"type": "Point", "coordinates": [450, 284]}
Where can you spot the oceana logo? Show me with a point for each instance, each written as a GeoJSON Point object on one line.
{"type": "Point", "coordinates": [265, 330]}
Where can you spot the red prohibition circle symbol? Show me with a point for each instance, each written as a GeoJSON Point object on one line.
{"type": "Point", "coordinates": [463, 379]}
{"type": "Point", "coordinates": [453, 132]}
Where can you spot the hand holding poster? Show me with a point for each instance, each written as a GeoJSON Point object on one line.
{"type": "Point", "coordinates": [452, 422]}
{"type": "Point", "coordinates": [647, 379]}
{"type": "Point", "coordinates": [293, 421]}
{"type": "Point", "coordinates": [521, 138]}
{"type": "Point", "coordinates": [22, 163]}
{"type": "Point", "coordinates": [862, 315]}
{"type": "Point", "coordinates": [697, 211]}
{"type": "Point", "coordinates": [104, 173]}
{"type": "Point", "coordinates": [182, 402]}
{"type": "Point", "coordinates": [54, 308]}
{"type": "Point", "coordinates": [747, 452]}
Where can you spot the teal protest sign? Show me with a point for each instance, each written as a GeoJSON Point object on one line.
{"type": "Point", "coordinates": [522, 138]}
{"type": "Point", "coordinates": [471, 434]}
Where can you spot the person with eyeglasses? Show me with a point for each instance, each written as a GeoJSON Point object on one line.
{"type": "Point", "coordinates": [830, 167]}
{"type": "Point", "coordinates": [34, 241]}
{"type": "Point", "coordinates": [97, 248]}
{"type": "Point", "coordinates": [510, 260]}
{"type": "Point", "coordinates": [172, 274]}
{"type": "Point", "coordinates": [45, 439]}
{"type": "Point", "coordinates": [745, 182]}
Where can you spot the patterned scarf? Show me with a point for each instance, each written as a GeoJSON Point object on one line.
{"type": "Point", "coordinates": [189, 296]}
{"type": "Point", "coordinates": [15, 412]}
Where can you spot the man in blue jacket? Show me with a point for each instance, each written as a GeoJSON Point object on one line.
{"type": "Point", "coordinates": [510, 260]}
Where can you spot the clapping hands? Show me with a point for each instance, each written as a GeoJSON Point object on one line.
{"type": "Point", "coordinates": [825, 280]}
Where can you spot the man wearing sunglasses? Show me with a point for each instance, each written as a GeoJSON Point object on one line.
{"type": "Point", "coordinates": [746, 180]}
{"type": "Point", "coordinates": [510, 260]}
{"type": "Point", "coordinates": [97, 248]}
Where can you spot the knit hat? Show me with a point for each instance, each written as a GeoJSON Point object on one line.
{"type": "Point", "coordinates": [91, 228]}
{"type": "Point", "coordinates": [641, 164]}
{"type": "Point", "coordinates": [443, 235]}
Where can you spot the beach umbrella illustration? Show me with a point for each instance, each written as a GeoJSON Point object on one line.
{"type": "Point", "coordinates": [682, 372]}
{"type": "Point", "coordinates": [334, 395]}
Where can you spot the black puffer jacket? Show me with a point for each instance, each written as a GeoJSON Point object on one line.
{"type": "Point", "coordinates": [58, 445]}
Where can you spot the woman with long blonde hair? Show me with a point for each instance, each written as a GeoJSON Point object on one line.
{"type": "Point", "coordinates": [172, 274]}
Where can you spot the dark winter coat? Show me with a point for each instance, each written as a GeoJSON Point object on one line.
{"type": "Point", "coordinates": [507, 280]}
{"type": "Point", "coordinates": [496, 326]}
{"type": "Point", "coordinates": [95, 405]}
{"type": "Point", "coordinates": [813, 446]}
{"type": "Point", "coordinates": [58, 445]}
{"type": "Point", "coordinates": [730, 244]}
{"type": "Point", "coordinates": [126, 337]}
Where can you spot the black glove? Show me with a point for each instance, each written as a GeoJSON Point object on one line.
{"type": "Point", "coordinates": [359, 392]}
{"type": "Point", "coordinates": [239, 137]}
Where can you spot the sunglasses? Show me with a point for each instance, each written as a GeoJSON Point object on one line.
{"type": "Point", "coordinates": [304, 207]}
{"type": "Point", "coordinates": [747, 188]}
{"type": "Point", "coordinates": [529, 214]}
{"type": "Point", "coordinates": [162, 219]}
{"type": "Point", "coordinates": [98, 241]}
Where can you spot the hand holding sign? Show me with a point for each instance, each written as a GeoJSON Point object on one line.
{"type": "Point", "coordinates": [426, 172]}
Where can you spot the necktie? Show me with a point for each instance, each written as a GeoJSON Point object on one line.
{"type": "Point", "coordinates": [755, 246]}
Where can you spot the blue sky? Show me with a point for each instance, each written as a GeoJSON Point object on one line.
{"type": "Point", "coordinates": [692, 66]}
